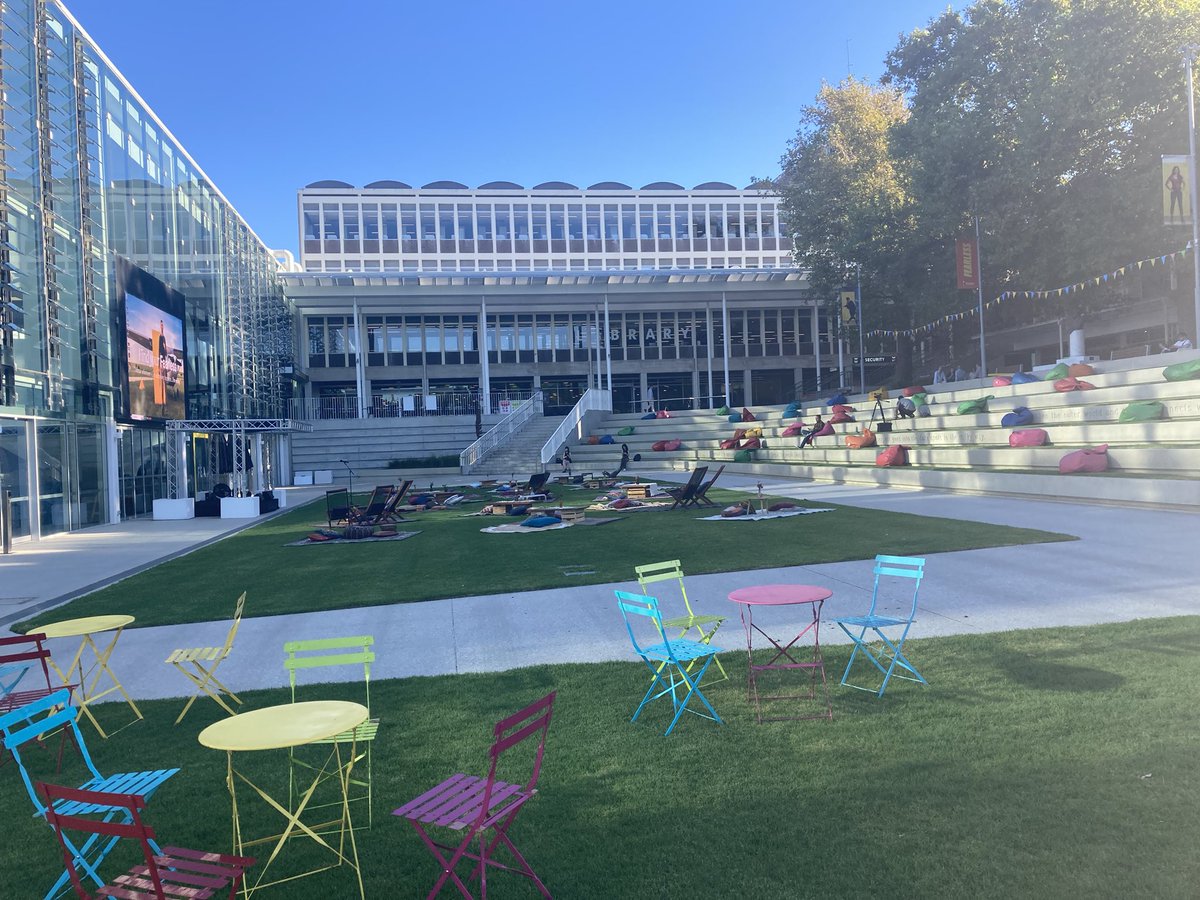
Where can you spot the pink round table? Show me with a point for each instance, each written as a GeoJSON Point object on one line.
{"type": "Point", "coordinates": [784, 595]}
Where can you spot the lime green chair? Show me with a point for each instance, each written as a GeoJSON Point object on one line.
{"type": "Point", "coordinates": [706, 626]}
{"type": "Point", "coordinates": [319, 654]}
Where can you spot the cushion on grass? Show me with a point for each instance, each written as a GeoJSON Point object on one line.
{"type": "Point", "coordinates": [1080, 370]}
{"type": "Point", "coordinates": [650, 416]}
{"type": "Point", "coordinates": [1090, 459]}
{"type": "Point", "coordinates": [780, 506]}
{"type": "Point", "coordinates": [896, 455]}
{"type": "Point", "coordinates": [796, 428]}
{"type": "Point", "coordinates": [607, 439]}
{"type": "Point", "coordinates": [969, 407]}
{"type": "Point", "coordinates": [748, 416]}
{"type": "Point", "coordinates": [915, 389]}
{"type": "Point", "coordinates": [1018, 417]}
{"type": "Point", "coordinates": [1001, 381]}
{"type": "Point", "coordinates": [1071, 383]}
{"type": "Point", "coordinates": [1024, 378]}
{"type": "Point", "coordinates": [751, 444]}
{"type": "Point", "coordinates": [736, 510]}
{"type": "Point", "coordinates": [1182, 371]}
{"type": "Point", "coordinates": [743, 456]}
{"type": "Point", "coordinates": [839, 417]}
{"type": "Point", "coordinates": [593, 439]}
{"type": "Point", "coordinates": [1059, 371]}
{"type": "Point", "coordinates": [858, 441]}
{"type": "Point", "coordinates": [626, 431]}
{"type": "Point", "coordinates": [1142, 411]}
{"type": "Point", "coordinates": [518, 510]}
{"type": "Point", "coordinates": [835, 400]}
{"type": "Point", "coordinates": [1029, 437]}
{"type": "Point", "coordinates": [724, 411]}
{"type": "Point", "coordinates": [541, 522]}
{"type": "Point", "coordinates": [729, 444]}
{"type": "Point", "coordinates": [825, 429]}
{"type": "Point", "coordinates": [316, 537]}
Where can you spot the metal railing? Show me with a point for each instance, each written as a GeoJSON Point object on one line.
{"type": "Point", "coordinates": [501, 434]}
{"type": "Point", "coordinates": [393, 405]}
{"type": "Point", "coordinates": [593, 400]}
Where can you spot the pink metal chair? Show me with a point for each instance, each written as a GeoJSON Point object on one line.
{"type": "Point", "coordinates": [483, 807]}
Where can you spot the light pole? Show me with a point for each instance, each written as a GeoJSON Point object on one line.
{"type": "Point", "coordinates": [1189, 61]}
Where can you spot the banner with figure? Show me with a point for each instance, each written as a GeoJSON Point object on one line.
{"type": "Point", "coordinates": [966, 253]}
{"type": "Point", "coordinates": [1176, 192]}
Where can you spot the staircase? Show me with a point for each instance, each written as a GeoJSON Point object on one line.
{"type": "Point", "coordinates": [520, 457]}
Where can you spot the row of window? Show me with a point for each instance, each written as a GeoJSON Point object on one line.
{"type": "Point", "coordinates": [535, 265]}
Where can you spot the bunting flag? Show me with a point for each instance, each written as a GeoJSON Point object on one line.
{"type": "Point", "coordinates": [1029, 295]}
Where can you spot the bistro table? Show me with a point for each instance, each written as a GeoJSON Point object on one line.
{"type": "Point", "coordinates": [86, 628]}
{"type": "Point", "coordinates": [279, 728]}
{"type": "Point", "coordinates": [785, 658]}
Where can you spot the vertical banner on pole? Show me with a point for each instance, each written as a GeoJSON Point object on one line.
{"type": "Point", "coordinates": [1176, 194]}
{"type": "Point", "coordinates": [966, 254]}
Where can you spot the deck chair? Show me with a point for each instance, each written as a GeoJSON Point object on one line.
{"type": "Point", "coordinates": [20, 726]}
{"type": "Point", "coordinates": [536, 488]}
{"type": "Point", "coordinates": [386, 514]}
{"type": "Point", "coordinates": [667, 656]}
{"type": "Point", "coordinates": [685, 495]}
{"type": "Point", "coordinates": [351, 651]}
{"type": "Point", "coordinates": [891, 653]}
{"type": "Point", "coordinates": [337, 505]}
{"type": "Point", "coordinates": [702, 491]}
{"type": "Point", "coordinates": [394, 514]}
{"type": "Point", "coordinates": [374, 508]}
{"type": "Point", "coordinates": [654, 573]}
{"type": "Point", "coordinates": [199, 666]}
{"type": "Point", "coordinates": [165, 873]}
{"type": "Point", "coordinates": [483, 809]}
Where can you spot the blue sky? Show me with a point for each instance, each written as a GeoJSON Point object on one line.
{"type": "Point", "coordinates": [268, 96]}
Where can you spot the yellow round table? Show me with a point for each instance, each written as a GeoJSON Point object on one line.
{"type": "Point", "coordinates": [86, 628]}
{"type": "Point", "coordinates": [281, 727]}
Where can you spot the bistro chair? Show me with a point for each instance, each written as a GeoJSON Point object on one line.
{"type": "Point", "coordinates": [199, 666]}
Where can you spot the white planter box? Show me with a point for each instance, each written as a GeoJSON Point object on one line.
{"type": "Point", "coordinates": [239, 507]}
{"type": "Point", "coordinates": [302, 478]}
{"type": "Point", "coordinates": [175, 509]}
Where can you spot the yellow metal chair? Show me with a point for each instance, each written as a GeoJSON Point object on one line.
{"type": "Point", "coordinates": [317, 654]}
{"type": "Point", "coordinates": [706, 626]}
{"type": "Point", "coordinates": [199, 666]}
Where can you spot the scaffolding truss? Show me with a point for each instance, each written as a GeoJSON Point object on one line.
{"type": "Point", "coordinates": [240, 431]}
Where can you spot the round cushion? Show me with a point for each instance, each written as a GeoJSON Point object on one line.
{"type": "Point", "coordinates": [895, 455]}
{"type": "Point", "coordinates": [659, 446]}
{"type": "Point", "coordinates": [1092, 459]}
{"type": "Point", "coordinates": [920, 398]}
{"type": "Point", "coordinates": [729, 444]}
{"type": "Point", "coordinates": [518, 510]}
{"type": "Point", "coordinates": [317, 538]}
{"type": "Point", "coordinates": [743, 456]}
{"type": "Point", "coordinates": [1142, 411]}
{"type": "Point", "coordinates": [1182, 371]}
{"type": "Point", "coordinates": [752, 432]}
{"type": "Point", "coordinates": [1071, 383]}
{"type": "Point", "coordinates": [1018, 417]}
{"type": "Point", "coordinates": [735, 417]}
{"type": "Point", "coordinates": [835, 400]}
{"type": "Point", "coordinates": [751, 443]}
{"type": "Point", "coordinates": [1029, 437]}
{"type": "Point", "coordinates": [724, 411]}
{"type": "Point", "coordinates": [357, 532]}
{"type": "Point", "coordinates": [623, 503]}
{"type": "Point", "coordinates": [541, 522]}
{"type": "Point", "coordinates": [794, 429]}
{"type": "Point", "coordinates": [673, 444]}
{"type": "Point", "coordinates": [858, 441]}
{"type": "Point", "coordinates": [662, 414]}
{"type": "Point", "coordinates": [1059, 371]}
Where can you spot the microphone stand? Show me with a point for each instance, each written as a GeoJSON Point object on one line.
{"type": "Point", "coordinates": [350, 474]}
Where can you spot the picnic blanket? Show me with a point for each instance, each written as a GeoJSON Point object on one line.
{"type": "Point", "coordinates": [518, 528]}
{"type": "Point", "coordinates": [760, 517]}
{"type": "Point", "coordinates": [398, 536]}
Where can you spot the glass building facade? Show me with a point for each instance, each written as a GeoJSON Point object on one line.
{"type": "Point", "coordinates": [88, 173]}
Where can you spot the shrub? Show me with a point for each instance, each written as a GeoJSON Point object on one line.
{"type": "Point", "coordinates": [425, 462]}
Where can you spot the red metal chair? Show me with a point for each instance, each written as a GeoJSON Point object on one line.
{"type": "Point", "coordinates": [173, 873]}
{"type": "Point", "coordinates": [29, 649]}
{"type": "Point", "coordinates": [484, 807]}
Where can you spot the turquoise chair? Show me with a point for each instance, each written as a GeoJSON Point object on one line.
{"type": "Point", "coordinates": [891, 654]}
{"type": "Point", "coordinates": [706, 625]}
{"type": "Point", "coordinates": [667, 660]}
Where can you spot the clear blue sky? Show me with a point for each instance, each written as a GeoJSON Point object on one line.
{"type": "Point", "coordinates": [268, 96]}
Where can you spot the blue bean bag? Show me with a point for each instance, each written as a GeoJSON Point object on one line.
{"type": "Point", "coordinates": [540, 522]}
{"type": "Point", "coordinates": [836, 400]}
{"type": "Point", "coordinates": [518, 510]}
{"type": "Point", "coordinates": [735, 417]}
{"type": "Point", "coordinates": [650, 416]}
{"type": "Point", "coordinates": [1024, 378]}
{"type": "Point", "coordinates": [607, 439]}
{"type": "Point", "coordinates": [1018, 418]}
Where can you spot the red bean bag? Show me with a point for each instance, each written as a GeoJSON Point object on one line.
{"type": "Point", "coordinates": [780, 506]}
{"type": "Point", "coordinates": [659, 445]}
{"type": "Point", "coordinates": [751, 444]}
{"type": "Point", "coordinates": [1029, 437]}
{"type": "Point", "coordinates": [673, 444]}
{"type": "Point", "coordinates": [915, 389]}
{"type": "Point", "coordinates": [739, 433]}
{"type": "Point", "coordinates": [1071, 383]}
{"type": "Point", "coordinates": [792, 430]}
{"type": "Point", "coordinates": [842, 408]}
{"type": "Point", "coordinates": [729, 444]}
{"type": "Point", "coordinates": [1091, 459]}
{"type": "Point", "coordinates": [737, 509]}
{"type": "Point", "coordinates": [1080, 370]}
{"type": "Point", "coordinates": [839, 417]}
{"type": "Point", "coordinates": [662, 414]}
{"type": "Point", "coordinates": [858, 441]}
{"type": "Point", "coordinates": [1001, 381]}
{"type": "Point", "coordinates": [896, 455]}
{"type": "Point", "coordinates": [623, 503]}
{"type": "Point", "coordinates": [748, 416]}
{"type": "Point", "coordinates": [593, 439]}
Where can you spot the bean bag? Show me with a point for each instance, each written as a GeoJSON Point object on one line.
{"type": "Point", "coordinates": [1059, 371]}
{"type": "Point", "coordinates": [593, 440]}
{"type": "Point", "coordinates": [662, 414]}
{"type": "Point", "coordinates": [835, 400]}
{"type": "Point", "coordinates": [1030, 437]}
{"type": "Point", "coordinates": [843, 408]}
{"type": "Point", "coordinates": [316, 538]}
{"type": "Point", "coordinates": [796, 428]}
{"type": "Point", "coordinates": [751, 444]}
{"type": "Point", "coordinates": [1091, 459]}
{"type": "Point", "coordinates": [650, 416]}
{"type": "Point", "coordinates": [896, 455]}
{"type": "Point", "coordinates": [541, 521]}
{"type": "Point", "coordinates": [743, 456]}
{"type": "Point", "coordinates": [739, 433]}
{"type": "Point", "coordinates": [752, 432]}
{"type": "Point", "coordinates": [839, 417]}
{"type": "Point", "coordinates": [1001, 381]}
{"type": "Point", "coordinates": [729, 444]}
{"type": "Point", "coordinates": [969, 407]}
{"type": "Point", "coordinates": [858, 441]}
{"type": "Point", "coordinates": [623, 503]}
{"type": "Point", "coordinates": [780, 506]}
{"type": "Point", "coordinates": [1070, 383]}
{"type": "Point", "coordinates": [827, 428]}
{"type": "Point", "coordinates": [729, 512]}
{"type": "Point", "coordinates": [915, 389]}
{"type": "Point", "coordinates": [1024, 378]}
{"type": "Point", "coordinates": [748, 416]}
{"type": "Point", "coordinates": [920, 398]}
{"type": "Point", "coordinates": [674, 444]}
{"type": "Point", "coordinates": [923, 410]}
{"type": "Point", "coordinates": [791, 411]}
{"type": "Point", "coordinates": [659, 445]}
{"type": "Point", "coordinates": [1182, 371]}
{"type": "Point", "coordinates": [518, 510]}
{"type": "Point", "coordinates": [607, 439]}
{"type": "Point", "coordinates": [626, 431]}
{"type": "Point", "coordinates": [735, 417]}
{"type": "Point", "coordinates": [1142, 411]}
{"type": "Point", "coordinates": [724, 411]}
{"type": "Point", "coordinates": [1080, 370]}
{"type": "Point", "coordinates": [1018, 417]}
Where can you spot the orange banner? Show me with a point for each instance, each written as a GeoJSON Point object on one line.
{"type": "Point", "coordinates": [967, 256]}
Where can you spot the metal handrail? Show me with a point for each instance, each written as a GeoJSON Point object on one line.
{"type": "Point", "coordinates": [501, 434]}
{"type": "Point", "coordinates": [593, 400]}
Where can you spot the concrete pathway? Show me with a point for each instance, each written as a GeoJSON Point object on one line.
{"type": "Point", "coordinates": [1127, 564]}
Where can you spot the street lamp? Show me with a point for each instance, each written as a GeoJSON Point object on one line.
{"type": "Point", "coordinates": [1189, 62]}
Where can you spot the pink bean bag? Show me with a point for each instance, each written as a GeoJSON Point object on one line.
{"type": "Point", "coordinates": [896, 455]}
{"type": "Point", "coordinates": [915, 389]}
{"type": "Point", "coordinates": [842, 408]}
{"type": "Point", "coordinates": [1001, 381]}
{"type": "Point", "coordinates": [796, 428]}
{"type": "Point", "coordinates": [1092, 459]}
{"type": "Point", "coordinates": [659, 445]}
{"type": "Point", "coordinates": [828, 429]}
{"type": "Point", "coordinates": [1071, 383]}
{"type": "Point", "coordinates": [729, 444]}
{"type": "Point", "coordinates": [1029, 437]}
{"type": "Point", "coordinates": [839, 417]}
{"type": "Point", "coordinates": [662, 414]}
{"type": "Point", "coordinates": [1080, 370]}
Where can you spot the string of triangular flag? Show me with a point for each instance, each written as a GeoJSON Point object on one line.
{"type": "Point", "coordinates": [1031, 295]}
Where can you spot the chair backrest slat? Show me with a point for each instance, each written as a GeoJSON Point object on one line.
{"type": "Point", "coordinates": [319, 660]}
{"type": "Point", "coordinates": [671, 570]}
{"type": "Point", "coordinates": [27, 723]}
{"type": "Point", "coordinates": [533, 719]}
{"type": "Point", "coordinates": [35, 648]}
{"type": "Point", "coordinates": [641, 605]}
{"type": "Point", "coordinates": [237, 621]}
{"type": "Point", "coordinates": [911, 567]}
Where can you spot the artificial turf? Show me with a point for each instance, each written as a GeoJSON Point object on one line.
{"type": "Point", "coordinates": [452, 558]}
{"type": "Point", "coordinates": [1048, 763]}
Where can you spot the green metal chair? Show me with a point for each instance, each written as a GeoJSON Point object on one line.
{"type": "Point", "coordinates": [322, 653]}
{"type": "Point", "coordinates": [706, 626]}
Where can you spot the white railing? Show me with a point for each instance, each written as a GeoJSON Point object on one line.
{"type": "Point", "coordinates": [394, 405]}
{"type": "Point", "coordinates": [501, 434]}
{"type": "Point", "coordinates": [593, 400]}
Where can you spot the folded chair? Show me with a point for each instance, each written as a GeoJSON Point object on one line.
{"type": "Point", "coordinates": [393, 515]}
{"type": "Point", "coordinates": [374, 508]}
{"type": "Point", "coordinates": [21, 726]}
{"type": "Point", "coordinates": [891, 654]}
{"type": "Point", "coordinates": [169, 872]}
{"type": "Point", "coordinates": [199, 666]}
{"type": "Point", "coordinates": [337, 505]}
{"type": "Point", "coordinates": [483, 809]}
{"type": "Point", "coordinates": [702, 491]}
{"type": "Point", "coordinates": [653, 573]}
{"type": "Point", "coordinates": [685, 495]}
{"type": "Point", "coordinates": [349, 651]}
{"type": "Point", "coordinates": [667, 656]}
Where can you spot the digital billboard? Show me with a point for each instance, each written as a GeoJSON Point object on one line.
{"type": "Point", "coordinates": [153, 362]}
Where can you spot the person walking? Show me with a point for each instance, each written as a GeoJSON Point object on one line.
{"type": "Point", "coordinates": [623, 465]}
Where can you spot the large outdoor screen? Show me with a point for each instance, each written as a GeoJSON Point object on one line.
{"type": "Point", "coordinates": [154, 345]}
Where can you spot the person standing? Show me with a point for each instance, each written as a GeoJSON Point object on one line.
{"type": "Point", "coordinates": [566, 460]}
{"type": "Point", "coordinates": [960, 374]}
{"type": "Point", "coordinates": [478, 415]}
{"type": "Point", "coordinates": [648, 399]}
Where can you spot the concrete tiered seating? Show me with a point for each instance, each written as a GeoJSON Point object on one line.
{"type": "Point", "coordinates": [968, 452]}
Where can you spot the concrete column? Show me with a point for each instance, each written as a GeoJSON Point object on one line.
{"type": "Point", "coordinates": [816, 332]}
{"type": "Point", "coordinates": [112, 447]}
{"type": "Point", "coordinates": [1076, 343]}
{"type": "Point", "coordinates": [725, 343]}
{"type": "Point", "coordinates": [643, 383]}
{"type": "Point", "coordinates": [696, 388]}
{"type": "Point", "coordinates": [258, 464]}
{"type": "Point", "coordinates": [709, 347]}
{"type": "Point", "coordinates": [485, 376]}
{"type": "Point", "coordinates": [360, 365]}
{"type": "Point", "coordinates": [607, 349]}
{"type": "Point", "coordinates": [748, 387]}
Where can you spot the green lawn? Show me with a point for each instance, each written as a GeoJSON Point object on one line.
{"type": "Point", "coordinates": [452, 558]}
{"type": "Point", "coordinates": [1053, 763]}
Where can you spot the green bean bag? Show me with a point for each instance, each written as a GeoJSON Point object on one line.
{"type": "Point", "coordinates": [1062, 370]}
{"type": "Point", "coordinates": [744, 456]}
{"type": "Point", "coordinates": [723, 411]}
{"type": "Point", "coordinates": [968, 407]}
{"type": "Point", "coordinates": [1142, 411]}
{"type": "Point", "coordinates": [626, 431]}
{"type": "Point", "coordinates": [1182, 371]}
{"type": "Point", "coordinates": [919, 398]}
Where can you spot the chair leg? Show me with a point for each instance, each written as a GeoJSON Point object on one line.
{"type": "Point", "coordinates": [202, 687]}
{"type": "Point", "coordinates": [693, 688]}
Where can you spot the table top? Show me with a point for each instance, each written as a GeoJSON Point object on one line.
{"type": "Point", "coordinates": [286, 725]}
{"type": "Point", "coordinates": [88, 625]}
{"type": "Point", "coordinates": [780, 594]}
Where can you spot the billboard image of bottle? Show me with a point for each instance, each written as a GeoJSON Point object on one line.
{"type": "Point", "coordinates": [154, 357]}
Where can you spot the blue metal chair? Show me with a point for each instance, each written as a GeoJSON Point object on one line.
{"type": "Point", "coordinates": [50, 713]}
{"type": "Point", "coordinates": [891, 654]}
{"type": "Point", "coordinates": [667, 660]}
